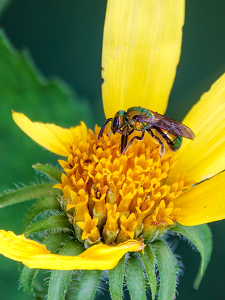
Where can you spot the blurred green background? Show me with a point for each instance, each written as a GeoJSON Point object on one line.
{"type": "Point", "coordinates": [64, 40]}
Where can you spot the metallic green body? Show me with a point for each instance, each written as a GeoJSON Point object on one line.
{"type": "Point", "coordinates": [138, 111]}
{"type": "Point", "coordinates": [173, 141]}
{"type": "Point", "coordinates": [141, 119]}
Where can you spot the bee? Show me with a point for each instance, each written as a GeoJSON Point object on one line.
{"type": "Point", "coordinates": [141, 119]}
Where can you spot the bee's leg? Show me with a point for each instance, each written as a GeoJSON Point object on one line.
{"type": "Point", "coordinates": [162, 148]}
{"type": "Point", "coordinates": [119, 131]}
{"type": "Point", "coordinates": [103, 127]}
{"type": "Point", "coordinates": [139, 138]}
{"type": "Point", "coordinates": [125, 133]}
{"type": "Point", "coordinates": [124, 138]}
{"type": "Point", "coordinates": [131, 131]}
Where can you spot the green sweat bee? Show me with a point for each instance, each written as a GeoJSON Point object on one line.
{"type": "Point", "coordinates": [141, 119]}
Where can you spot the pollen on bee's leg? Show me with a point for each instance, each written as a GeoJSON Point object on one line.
{"type": "Point", "coordinates": [162, 150]}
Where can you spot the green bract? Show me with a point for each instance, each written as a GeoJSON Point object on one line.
{"type": "Point", "coordinates": [117, 192]}
{"type": "Point", "coordinates": [138, 271]}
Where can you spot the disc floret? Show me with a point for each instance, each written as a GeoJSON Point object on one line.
{"type": "Point", "coordinates": [111, 197]}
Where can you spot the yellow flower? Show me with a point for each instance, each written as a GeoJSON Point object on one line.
{"type": "Point", "coordinates": [117, 201]}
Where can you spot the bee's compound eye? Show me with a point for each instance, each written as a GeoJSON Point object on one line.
{"type": "Point", "coordinates": [135, 118]}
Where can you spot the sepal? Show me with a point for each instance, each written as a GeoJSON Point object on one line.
{"type": "Point", "coordinates": [88, 284]}
{"type": "Point", "coordinates": [55, 222]}
{"type": "Point", "coordinates": [60, 280]}
{"type": "Point", "coordinates": [149, 261]}
{"type": "Point", "coordinates": [27, 278]}
{"type": "Point", "coordinates": [168, 267]}
{"type": "Point", "coordinates": [28, 193]}
{"type": "Point", "coordinates": [47, 203]}
{"type": "Point", "coordinates": [49, 171]}
{"type": "Point", "coordinates": [53, 243]}
{"type": "Point", "coordinates": [116, 276]}
{"type": "Point", "coordinates": [201, 237]}
{"type": "Point", "coordinates": [135, 278]}
{"type": "Point", "coordinates": [56, 240]}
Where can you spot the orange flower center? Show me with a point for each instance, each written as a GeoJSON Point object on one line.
{"type": "Point", "coordinates": [113, 197]}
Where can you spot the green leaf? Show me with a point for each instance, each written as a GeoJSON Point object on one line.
{"type": "Point", "coordinates": [27, 278]}
{"type": "Point", "coordinates": [49, 170]}
{"type": "Point", "coordinates": [28, 193]}
{"type": "Point", "coordinates": [201, 237]}
{"type": "Point", "coordinates": [88, 284]}
{"type": "Point", "coordinates": [116, 276]}
{"type": "Point", "coordinates": [43, 204]}
{"type": "Point", "coordinates": [58, 221]}
{"type": "Point", "coordinates": [148, 260]}
{"type": "Point", "coordinates": [135, 279]}
{"type": "Point", "coordinates": [60, 280]}
{"type": "Point", "coordinates": [167, 266]}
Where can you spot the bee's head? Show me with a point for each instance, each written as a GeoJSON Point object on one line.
{"type": "Point", "coordinates": [118, 121]}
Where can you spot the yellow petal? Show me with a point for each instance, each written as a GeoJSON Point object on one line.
{"type": "Point", "coordinates": [35, 255]}
{"type": "Point", "coordinates": [141, 50]}
{"type": "Point", "coordinates": [204, 157]}
{"type": "Point", "coordinates": [50, 136]}
{"type": "Point", "coordinates": [203, 203]}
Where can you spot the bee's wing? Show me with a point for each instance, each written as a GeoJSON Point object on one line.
{"type": "Point", "coordinates": [172, 126]}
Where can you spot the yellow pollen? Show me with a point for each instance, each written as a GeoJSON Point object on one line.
{"type": "Point", "coordinates": [111, 197]}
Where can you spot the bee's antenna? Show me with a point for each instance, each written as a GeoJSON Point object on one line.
{"type": "Point", "coordinates": [103, 127]}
